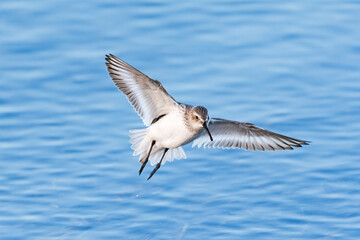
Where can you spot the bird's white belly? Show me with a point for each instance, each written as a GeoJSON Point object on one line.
{"type": "Point", "coordinates": [170, 131]}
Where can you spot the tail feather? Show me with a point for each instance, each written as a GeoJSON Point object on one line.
{"type": "Point", "coordinates": [141, 148]}
{"type": "Point", "coordinates": [136, 138]}
{"type": "Point", "coordinates": [173, 153]}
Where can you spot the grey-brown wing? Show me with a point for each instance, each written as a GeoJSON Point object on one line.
{"type": "Point", "coordinates": [148, 97]}
{"type": "Point", "coordinates": [232, 134]}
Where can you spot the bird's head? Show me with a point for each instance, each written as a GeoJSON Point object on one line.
{"type": "Point", "coordinates": [199, 119]}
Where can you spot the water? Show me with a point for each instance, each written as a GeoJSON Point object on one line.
{"type": "Point", "coordinates": [67, 170]}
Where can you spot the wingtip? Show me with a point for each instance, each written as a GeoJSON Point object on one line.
{"type": "Point", "coordinates": [107, 59]}
{"type": "Point", "coordinates": [301, 144]}
{"type": "Point", "coordinates": [109, 56]}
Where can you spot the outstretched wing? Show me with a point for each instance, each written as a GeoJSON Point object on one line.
{"type": "Point", "coordinates": [148, 97]}
{"type": "Point", "coordinates": [232, 134]}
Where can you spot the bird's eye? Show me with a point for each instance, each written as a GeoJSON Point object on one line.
{"type": "Point", "coordinates": [197, 118]}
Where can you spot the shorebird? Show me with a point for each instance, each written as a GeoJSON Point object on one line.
{"type": "Point", "coordinates": [171, 124]}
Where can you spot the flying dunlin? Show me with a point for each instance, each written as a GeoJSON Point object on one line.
{"type": "Point", "coordinates": [171, 124]}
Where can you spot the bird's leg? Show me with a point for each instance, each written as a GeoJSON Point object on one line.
{"type": "Point", "coordinates": [147, 157]}
{"type": "Point", "coordinates": [158, 165]}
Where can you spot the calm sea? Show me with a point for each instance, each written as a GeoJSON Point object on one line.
{"type": "Point", "coordinates": [66, 167]}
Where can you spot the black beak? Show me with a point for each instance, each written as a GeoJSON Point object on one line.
{"type": "Point", "coordinates": [207, 130]}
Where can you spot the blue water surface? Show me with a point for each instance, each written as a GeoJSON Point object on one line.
{"type": "Point", "coordinates": [66, 167]}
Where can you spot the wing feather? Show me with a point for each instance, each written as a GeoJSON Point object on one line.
{"type": "Point", "coordinates": [232, 134]}
{"type": "Point", "coordinates": [147, 96]}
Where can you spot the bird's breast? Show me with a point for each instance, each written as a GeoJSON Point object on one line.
{"type": "Point", "coordinates": [170, 131]}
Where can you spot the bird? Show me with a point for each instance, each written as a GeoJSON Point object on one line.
{"type": "Point", "coordinates": [171, 124]}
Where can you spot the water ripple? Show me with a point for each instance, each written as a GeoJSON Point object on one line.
{"type": "Point", "coordinates": [67, 167]}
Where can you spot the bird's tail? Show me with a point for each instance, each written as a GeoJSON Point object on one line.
{"type": "Point", "coordinates": [142, 148]}
{"type": "Point", "coordinates": [173, 153]}
{"type": "Point", "coordinates": [136, 140]}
